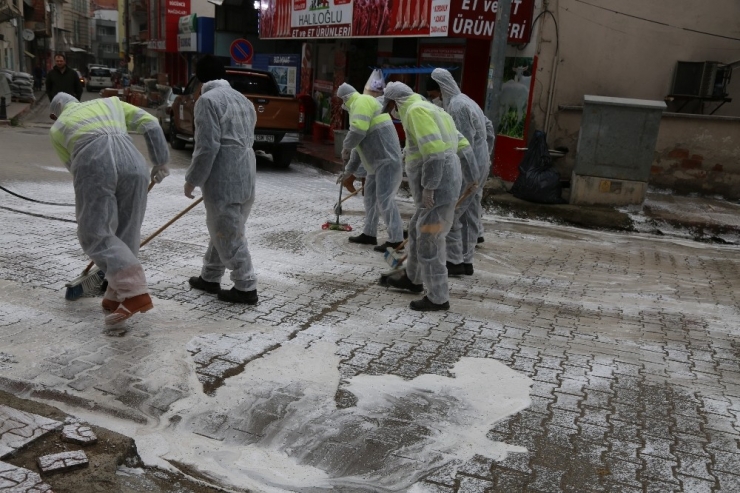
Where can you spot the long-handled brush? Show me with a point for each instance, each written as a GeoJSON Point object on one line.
{"type": "Point", "coordinates": [337, 226]}
{"type": "Point", "coordinates": [338, 206]}
{"type": "Point", "coordinates": [92, 278]}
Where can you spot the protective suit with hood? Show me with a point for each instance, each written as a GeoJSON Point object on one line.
{"type": "Point", "coordinates": [473, 124]}
{"type": "Point", "coordinates": [224, 167]}
{"type": "Point", "coordinates": [110, 178]}
{"type": "Point", "coordinates": [433, 170]}
{"type": "Point", "coordinates": [372, 142]}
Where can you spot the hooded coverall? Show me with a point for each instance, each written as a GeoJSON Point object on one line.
{"type": "Point", "coordinates": [110, 178]}
{"type": "Point", "coordinates": [472, 123]}
{"type": "Point", "coordinates": [224, 167]}
{"type": "Point", "coordinates": [375, 145]}
{"type": "Point", "coordinates": [431, 164]}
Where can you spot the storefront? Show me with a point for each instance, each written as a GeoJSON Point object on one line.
{"type": "Point", "coordinates": [171, 66]}
{"type": "Point", "coordinates": [195, 37]}
{"type": "Point", "coordinates": [345, 39]}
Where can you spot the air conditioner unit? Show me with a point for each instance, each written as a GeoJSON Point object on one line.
{"type": "Point", "coordinates": [701, 79]}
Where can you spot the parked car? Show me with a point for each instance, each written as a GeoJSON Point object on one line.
{"type": "Point", "coordinates": [279, 118]}
{"type": "Point", "coordinates": [164, 110]}
{"type": "Point", "coordinates": [100, 78]}
{"type": "Point", "coordinates": [79, 76]}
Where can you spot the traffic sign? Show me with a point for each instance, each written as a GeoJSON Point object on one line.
{"type": "Point", "coordinates": [242, 51]}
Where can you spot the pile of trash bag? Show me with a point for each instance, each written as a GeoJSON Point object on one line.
{"type": "Point", "coordinates": [538, 181]}
{"type": "Point", "coordinates": [22, 87]}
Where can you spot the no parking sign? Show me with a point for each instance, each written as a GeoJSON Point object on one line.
{"type": "Point", "coordinates": [241, 51]}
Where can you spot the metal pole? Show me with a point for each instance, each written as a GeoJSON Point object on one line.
{"type": "Point", "coordinates": [498, 55]}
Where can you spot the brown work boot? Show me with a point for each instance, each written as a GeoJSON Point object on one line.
{"type": "Point", "coordinates": [141, 303]}
{"type": "Point", "coordinates": [109, 305]}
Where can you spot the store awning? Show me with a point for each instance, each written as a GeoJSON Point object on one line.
{"type": "Point", "coordinates": [29, 54]}
{"type": "Point", "coordinates": [76, 50]}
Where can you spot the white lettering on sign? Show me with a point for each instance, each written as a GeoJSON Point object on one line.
{"type": "Point", "coordinates": [281, 59]}
{"type": "Point", "coordinates": [175, 3]}
{"type": "Point", "coordinates": [177, 12]}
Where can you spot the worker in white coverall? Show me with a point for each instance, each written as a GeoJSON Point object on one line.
{"type": "Point", "coordinates": [433, 170]}
{"type": "Point", "coordinates": [373, 141]}
{"type": "Point", "coordinates": [478, 130]}
{"type": "Point", "coordinates": [224, 167]}
{"type": "Point", "coordinates": [110, 178]}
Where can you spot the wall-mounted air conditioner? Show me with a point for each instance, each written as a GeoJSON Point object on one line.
{"type": "Point", "coordinates": [701, 79]}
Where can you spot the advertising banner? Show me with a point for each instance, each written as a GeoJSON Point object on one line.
{"type": "Point", "coordinates": [316, 19]}
{"type": "Point", "coordinates": [476, 19]}
{"type": "Point", "coordinates": [175, 9]}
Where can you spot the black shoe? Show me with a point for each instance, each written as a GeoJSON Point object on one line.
{"type": "Point", "coordinates": [406, 232]}
{"type": "Point", "coordinates": [233, 295]}
{"type": "Point", "coordinates": [363, 239]}
{"type": "Point", "coordinates": [424, 305]}
{"type": "Point", "coordinates": [388, 244]}
{"type": "Point", "coordinates": [481, 239]}
{"type": "Point", "coordinates": [403, 282]}
{"type": "Point", "coordinates": [455, 269]}
{"type": "Point", "coordinates": [468, 269]}
{"type": "Point", "coordinates": [209, 287]}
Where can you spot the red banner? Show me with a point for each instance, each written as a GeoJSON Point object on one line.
{"type": "Point", "coordinates": [174, 10]}
{"type": "Point", "coordinates": [476, 19]}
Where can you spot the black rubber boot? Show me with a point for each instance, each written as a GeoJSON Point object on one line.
{"type": "Point", "coordinates": [455, 269]}
{"type": "Point", "coordinates": [468, 269]}
{"type": "Point", "coordinates": [209, 287]}
{"type": "Point", "coordinates": [382, 248]}
{"type": "Point", "coordinates": [363, 239]}
{"type": "Point", "coordinates": [481, 239]}
{"type": "Point", "coordinates": [405, 233]}
{"type": "Point", "coordinates": [403, 282]}
{"type": "Point", "coordinates": [425, 305]}
{"type": "Point", "coordinates": [233, 295]}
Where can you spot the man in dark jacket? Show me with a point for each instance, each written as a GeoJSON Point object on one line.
{"type": "Point", "coordinates": [63, 79]}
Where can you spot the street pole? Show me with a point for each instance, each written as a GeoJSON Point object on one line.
{"type": "Point", "coordinates": [498, 55]}
{"type": "Point", "coordinates": [126, 30]}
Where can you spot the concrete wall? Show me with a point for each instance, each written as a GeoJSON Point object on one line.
{"type": "Point", "coordinates": [632, 53]}
{"type": "Point", "coordinates": [694, 153]}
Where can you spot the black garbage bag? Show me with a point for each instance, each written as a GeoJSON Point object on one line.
{"type": "Point", "coordinates": [537, 180]}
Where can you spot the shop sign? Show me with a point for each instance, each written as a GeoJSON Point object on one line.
{"type": "Point", "coordinates": [187, 42]}
{"type": "Point", "coordinates": [442, 53]}
{"type": "Point", "coordinates": [323, 85]}
{"type": "Point", "coordinates": [188, 24]}
{"type": "Point", "coordinates": [476, 19]}
{"type": "Point", "coordinates": [156, 44]}
{"type": "Point", "coordinates": [321, 19]}
{"type": "Point", "coordinates": [178, 7]}
{"type": "Point", "coordinates": [174, 9]}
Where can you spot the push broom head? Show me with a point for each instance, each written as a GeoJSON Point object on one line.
{"type": "Point", "coordinates": [336, 226]}
{"type": "Point", "coordinates": [88, 284]}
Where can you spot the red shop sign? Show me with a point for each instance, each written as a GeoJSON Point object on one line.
{"type": "Point", "coordinates": [476, 19]}
{"type": "Point", "coordinates": [441, 53]}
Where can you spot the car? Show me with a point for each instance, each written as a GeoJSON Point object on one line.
{"type": "Point", "coordinates": [164, 110]}
{"type": "Point", "coordinates": [79, 76]}
{"type": "Point", "coordinates": [280, 118]}
{"type": "Point", "coordinates": [100, 78]}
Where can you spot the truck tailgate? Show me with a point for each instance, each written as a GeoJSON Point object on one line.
{"type": "Point", "coordinates": [276, 113]}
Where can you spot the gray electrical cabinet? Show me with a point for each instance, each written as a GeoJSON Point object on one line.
{"type": "Point", "coordinates": [616, 146]}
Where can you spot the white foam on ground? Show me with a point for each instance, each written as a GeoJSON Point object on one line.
{"type": "Point", "coordinates": [456, 413]}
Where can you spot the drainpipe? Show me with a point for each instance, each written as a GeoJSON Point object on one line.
{"type": "Point", "coordinates": [21, 45]}
{"type": "Point", "coordinates": [498, 56]}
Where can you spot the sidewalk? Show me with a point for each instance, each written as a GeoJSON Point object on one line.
{"type": "Point", "coordinates": [699, 218]}
{"type": "Point", "coordinates": [19, 110]}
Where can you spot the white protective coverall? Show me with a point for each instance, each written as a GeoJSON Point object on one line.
{"type": "Point", "coordinates": [433, 170]}
{"type": "Point", "coordinates": [110, 178]}
{"type": "Point", "coordinates": [374, 144]}
{"type": "Point", "coordinates": [473, 124]}
{"type": "Point", "coordinates": [224, 167]}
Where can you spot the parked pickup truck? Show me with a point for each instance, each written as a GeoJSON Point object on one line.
{"type": "Point", "coordinates": [279, 118]}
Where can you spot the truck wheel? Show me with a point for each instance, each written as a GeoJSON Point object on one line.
{"type": "Point", "coordinates": [282, 156]}
{"type": "Point", "coordinates": [176, 143]}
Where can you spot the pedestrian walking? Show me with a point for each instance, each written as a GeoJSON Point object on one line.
{"type": "Point", "coordinates": [433, 170]}
{"type": "Point", "coordinates": [63, 79]}
{"type": "Point", "coordinates": [372, 142]}
{"type": "Point", "coordinates": [224, 168]}
{"type": "Point", "coordinates": [110, 178]}
{"type": "Point", "coordinates": [473, 124]}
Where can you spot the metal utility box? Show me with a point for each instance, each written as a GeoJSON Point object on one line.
{"type": "Point", "coordinates": [616, 147]}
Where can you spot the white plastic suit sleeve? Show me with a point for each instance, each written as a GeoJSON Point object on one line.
{"type": "Point", "coordinates": [354, 163]}
{"type": "Point", "coordinates": [208, 138]}
{"type": "Point", "coordinates": [156, 143]}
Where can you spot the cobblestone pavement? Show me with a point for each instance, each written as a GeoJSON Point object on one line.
{"type": "Point", "coordinates": [630, 345]}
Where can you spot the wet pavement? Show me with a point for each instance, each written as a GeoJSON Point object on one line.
{"type": "Point", "coordinates": [573, 360]}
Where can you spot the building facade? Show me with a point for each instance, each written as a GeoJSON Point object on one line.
{"type": "Point", "coordinates": [11, 27]}
{"type": "Point", "coordinates": [105, 44]}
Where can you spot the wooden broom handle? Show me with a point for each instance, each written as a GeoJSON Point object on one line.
{"type": "Point", "coordinates": [169, 223]}
{"type": "Point", "coordinates": [353, 193]}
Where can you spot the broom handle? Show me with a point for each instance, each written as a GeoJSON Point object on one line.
{"type": "Point", "coordinates": [169, 223]}
{"type": "Point", "coordinates": [354, 193]}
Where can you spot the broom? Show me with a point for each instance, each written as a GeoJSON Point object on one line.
{"type": "Point", "coordinates": [337, 226]}
{"type": "Point", "coordinates": [91, 280]}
